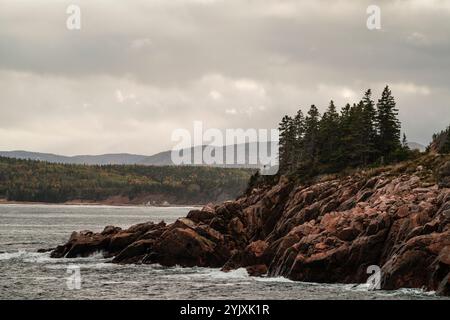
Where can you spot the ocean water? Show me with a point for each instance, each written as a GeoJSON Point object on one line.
{"type": "Point", "coordinates": [26, 274]}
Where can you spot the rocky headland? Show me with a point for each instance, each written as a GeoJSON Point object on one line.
{"type": "Point", "coordinates": [328, 230]}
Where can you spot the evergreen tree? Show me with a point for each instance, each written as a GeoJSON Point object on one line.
{"type": "Point", "coordinates": [329, 135]}
{"type": "Point", "coordinates": [446, 146]}
{"type": "Point", "coordinates": [286, 143]}
{"type": "Point", "coordinates": [299, 131]}
{"type": "Point", "coordinates": [440, 142]}
{"type": "Point", "coordinates": [345, 131]}
{"type": "Point", "coordinates": [369, 118]}
{"type": "Point", "coordinates": [405, 142]}
{"type": "Point", "coordinates": [388, 125]}
{"type": "Point", "coordinates": [311, 138]}
{"type": "Point", "coordinates": [357, 138]}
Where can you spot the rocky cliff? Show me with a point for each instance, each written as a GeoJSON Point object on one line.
{"type": "Point", "coordinates": [330, 230]}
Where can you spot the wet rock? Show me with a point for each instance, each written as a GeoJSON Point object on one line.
{"type": "Point", "coordinates": [204, 216]}
{"type": "Point", "coordinates": [44, 250]}
{"type": "Point", "coordinates": [187, 248]}
{"type": "Point", "coordinates": [135, 252]}
{"type": "Point", "coordinates": [110, 230]}
{"type": "Point", "coordinates": [81, 244]}
{"type": "Point", "coordinates": [444, 255]}
{"type": "Point", "coordinates": [121, 240]}
{"type": "Point", "coordinates": [257, 270]}
{"type": "Point", "coordinates": [253, 254]}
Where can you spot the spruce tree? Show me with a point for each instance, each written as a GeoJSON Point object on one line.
{"type": "Point", "coordinates": [345, 130]}
{"type": "Point", "coordinates": [388, 125]}
{"type": "Point", "coordinates": [405, 142]}
{"type": "Point", "coordinates": [286, 143]}
{"type": "Point", "coordinates": [358, 135]}
{"type": "Point", "coordinates": [356, 142]}
{"type": "Point", "coordinates": [329, 135]}
{"type": "Point", "coordinates": [369, 121]}
{"type": "Point", "coordinates": [311, 139]}
{"type": "Point", "coordinates": [299, 132]}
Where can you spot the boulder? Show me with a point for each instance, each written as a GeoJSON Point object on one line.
{"type": "Point", "coordinates": [257, 270]}
{"type": "Point", "coordinates": [121, 240]}
{"type": "Point", "coordinates": [110, 230]}
{"type": "Point", "coordinates": [135, 252]}
{"type": "Point", "coordinates": [253, 254]}
{"type": "Point", "coordinates": [204, 216]}
{"type": "Point", "coordinates": [81, 244]}
{"type": "Point", "coordinates": [187, 248]}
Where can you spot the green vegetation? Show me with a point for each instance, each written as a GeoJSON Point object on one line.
{"type": "Point", "coordinates": [27, 180]}
{"type": "Point", "coordinates": [441, 141]}
{"type": "Point", "coordinates": [361, 135]}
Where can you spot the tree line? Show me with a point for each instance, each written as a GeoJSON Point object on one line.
{"type": "Point", "coordinates": [441, 141]}
{"type": "Point", "coordinates": [362, 134]}
{"type": "Point", "coordinates": [37, 181]}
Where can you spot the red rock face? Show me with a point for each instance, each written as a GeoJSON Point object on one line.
{"type": "Point", "coordinates": [329, 231]}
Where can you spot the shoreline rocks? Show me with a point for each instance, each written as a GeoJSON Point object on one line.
{"type": "Point", "coordinates": [329, 232]}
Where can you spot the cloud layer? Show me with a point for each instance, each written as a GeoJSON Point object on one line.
{"type": "Point", "coordinates": [139, 69]}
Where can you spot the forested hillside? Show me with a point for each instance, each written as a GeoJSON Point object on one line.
{"type": "Point", "coordinates": [360, 135]}
{"type": "Point", "coordinates": [27, 180]}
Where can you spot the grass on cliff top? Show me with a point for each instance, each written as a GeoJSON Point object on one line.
{"type": "Point", "coordinates": [425, 166]}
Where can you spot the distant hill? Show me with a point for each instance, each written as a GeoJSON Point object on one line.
{"type": "Point", "coordinates": [119, 158]}
{"type": "Point", "coordinates": [159, 159]}
{"type": "Point", "coordinates": [38, 181]}
{"type": "Point", "coordinates": [416, 146]}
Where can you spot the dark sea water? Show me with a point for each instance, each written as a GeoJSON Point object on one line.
{"type": "Point", "coordinates": [26, 274]}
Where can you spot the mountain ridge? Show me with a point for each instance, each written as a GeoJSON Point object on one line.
{"type": "Point", "coordinates": [158, 159]}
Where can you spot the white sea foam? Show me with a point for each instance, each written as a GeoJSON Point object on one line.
{"type": "Point", "coordinates": [11, 255]}
{"type": "Point", "coordinates": [240, 273]}
{"type": "Point", "coordinates": [365, 287]}
{"type": "Point", "coordinates": [274, 279]}
{"type": "Point", "coordinates": [25, 256]}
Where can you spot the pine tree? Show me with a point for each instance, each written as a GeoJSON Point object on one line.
{"type": "Point", "coordinates": [369, 118]}
{"type": "Point", "coordinates": [299, 132]}
{"type": "Point", "coordinates": [388, 125]}
{"type": "Point", "coordinates": [345, 131]}
{"type": "Point", "coordinates": [405, 142]}
{"type": "Point", "coordinates": [329, 135]}
{"type": "Point", "coordinates": [356, 141]}
{"type": "Point", "coordinates": [311, 139]}
{"type": "Point", "coordinates": [356, 136]}
{"type": "Point", "coordinates": [286, 143]}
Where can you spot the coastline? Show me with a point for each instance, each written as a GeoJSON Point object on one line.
{"type": "Point", "coordinates": [99, 203]}
{"type": "Point", "coordinates": [330, 231]}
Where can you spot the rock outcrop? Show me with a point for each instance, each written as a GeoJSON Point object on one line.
{"type": "Point", "coordinates": [329, 231]}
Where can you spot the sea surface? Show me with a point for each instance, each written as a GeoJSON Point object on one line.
{"type": "Point", "coordinates": [26, 274]}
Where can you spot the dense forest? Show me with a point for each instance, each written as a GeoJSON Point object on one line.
{"type": "Point", "coordinates": [441, 142]}
{"type": "Point", "coordinates": [360, 135]}
{"type": "Point", "coordinates": [365, 134]}
{"type": "Point", "coordinates": [27, 180]}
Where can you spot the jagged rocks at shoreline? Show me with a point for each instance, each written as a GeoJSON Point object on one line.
{"type": "Point", "coordinates": [330, 231]}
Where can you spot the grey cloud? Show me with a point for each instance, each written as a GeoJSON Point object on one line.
{"type": "Point", "coordinates": [182, 60]}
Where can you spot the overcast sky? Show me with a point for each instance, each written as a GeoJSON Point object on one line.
{"type": "Point", "coordinates": [137, 70]}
